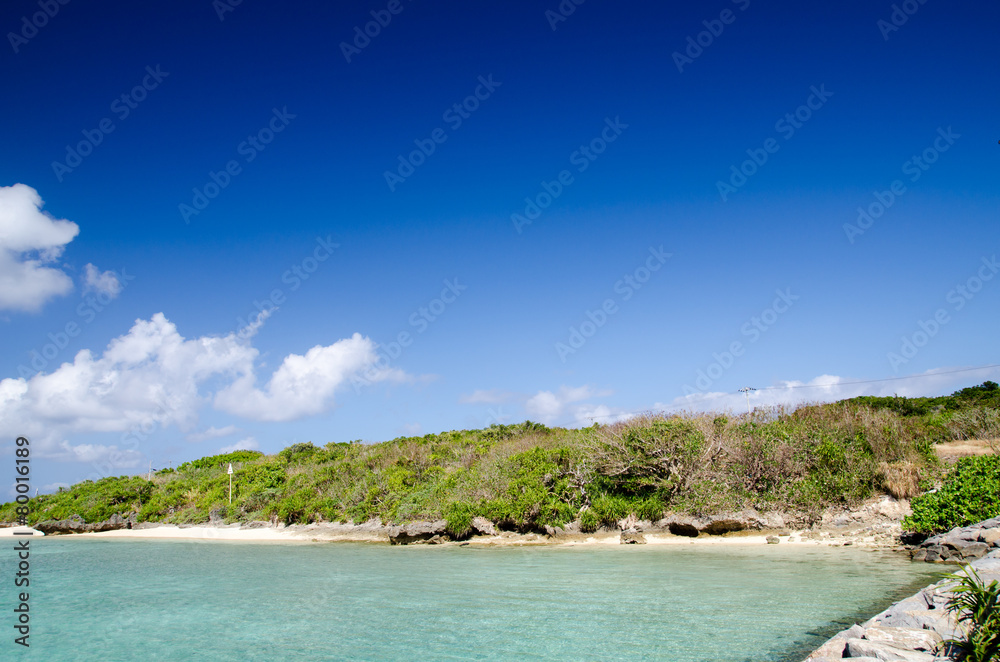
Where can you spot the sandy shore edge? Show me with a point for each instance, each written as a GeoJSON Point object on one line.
{"type": "Point", "coordinates": [316, 533]}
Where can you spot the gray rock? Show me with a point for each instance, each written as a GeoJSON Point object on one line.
{"type": "Point", "coordinates": [483, 526]}
{"type": "Point", "coordinates": [217, 516]}
{"type": "Point", "coordinates": [419, 532]}
{"type": "Point", "coordinates": [550, 531]}
{"type": "Point", "coordinates": [632, 537]}
{"type": "Point", "coordinates": [772, 540]}
{"type": "Point", "coordinates": [975, 550]}
{"type": "Point", "coordinates": [990, 536]}
{"type": "Point", "coordinates": [257, 524]}
{"type": "Point", "coordinates": [908, 638]}
{"type": "Point", "coordinates": [918, 554]}
{"type": "Point", "coordinates": [865, 648]}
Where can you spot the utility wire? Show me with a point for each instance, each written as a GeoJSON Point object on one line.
{"type": "Point", "coordinates": [715, 396]}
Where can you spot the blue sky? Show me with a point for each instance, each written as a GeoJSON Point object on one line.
{"type": "Point", "coordinates": [570, 212]}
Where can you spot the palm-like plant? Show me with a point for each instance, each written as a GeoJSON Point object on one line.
{"type": "Point", "coordinates": [978, 607]}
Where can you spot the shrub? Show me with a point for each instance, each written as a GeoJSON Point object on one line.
{"type": "Point", "coordinates": [971, 493]}
{"type": "Point", "coordinates": [589, 521]}
{"type": "Point", "coordinates": [978, 607]}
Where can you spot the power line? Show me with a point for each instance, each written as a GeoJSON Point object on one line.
{"type": "Point", "coordinates": [715, 396]}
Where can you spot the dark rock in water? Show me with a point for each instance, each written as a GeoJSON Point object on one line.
{"type": "Point", "coordinates": [918, 555]}
{"type": "Point", "coordinates": [932, 556]}
{"type": "Point", "coordinates": [632, 537]}
{"type": "Point", "coordinates": [419, 532]}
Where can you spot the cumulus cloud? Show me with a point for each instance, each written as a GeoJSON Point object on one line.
{"type": "Point", "coordinates": [152, 378]}
{"type": "Point", "coordinates": [106, 282]}
{"type": "Point", "coordinates": [248, 444]}
{"type": "Point", "coordinates": [549, 407]}
{"type": "Point", "coordinates": [304, 385]}
{"type": "Point", "coordinates": [29, 240]}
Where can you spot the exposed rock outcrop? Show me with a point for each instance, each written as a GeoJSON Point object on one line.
{"type": "Point", "coordinates": [75, 524]}
{"type": "Point", "coordinates": [419, 532]}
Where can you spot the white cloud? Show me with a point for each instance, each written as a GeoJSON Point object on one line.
{"type": "Point", "coordinates": [152, 378]}
{"type": "Point", "coordinates": [248, 444]}
{"type": "Point", "coordinates": [304, 385]}
{"type": "Point", "coordinates": [830, 388]}
{"type": "Point", "coordinates": [30, 239]}
{"type": "Point", "coordinates": [107, 283]}
{"type": "Point", "coordinates": [549, 407]}
{"type": "Point", "coordinates": [212, 433]}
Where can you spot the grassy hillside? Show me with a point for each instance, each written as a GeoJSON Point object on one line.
{"type": "Point", "coordinates": [526, 476]}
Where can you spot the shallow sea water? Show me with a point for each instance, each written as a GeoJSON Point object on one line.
{"type": "Point", "coordinates": [209, 600]}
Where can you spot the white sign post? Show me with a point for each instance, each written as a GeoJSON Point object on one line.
{"type": "Point", "coordinates": [230, 472]}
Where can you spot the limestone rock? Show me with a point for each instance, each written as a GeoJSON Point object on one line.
{"type": "Point", "coordinates": [879, 651]}
{"type": "Point", "coordinates": [419, 532]}
{"type": "Point", "coordinates": [632, 537]}
{"type": "Point", "coordinates": [975, 550]}
{"type": "Point", "coordinates": [483, 526]}
{"type": "Point", "coordinates": [910, 638]}
{"type": "Point", "coordinates": [772, 540]}
{"type": "Point", "coordinates": [990, 536]}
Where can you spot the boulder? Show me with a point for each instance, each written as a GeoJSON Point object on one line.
{"type": "Point", "coordinates": [419, 532]}
{"type": "Point", "coordinates": [918, 554]}
{"type": "Point", "coordinates": [908, 638]}
{"type": "Point", "coordinates": [990, 536]}
{"type": "Point", "coordinates": [632, 537]}
{"type": "Point", "coordinates": [879, 651]}
{"type": "Point", "coordinates": [772, 540]}
{"type": "Point", "coordinates": [975, 550]}
{"type": "Point", "coordinates": [483, 526]}
{"type": "Point", "coordinates": [72, 524]}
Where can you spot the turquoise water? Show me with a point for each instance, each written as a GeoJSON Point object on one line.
{"type": "Point", "coordinates": [181, 600]}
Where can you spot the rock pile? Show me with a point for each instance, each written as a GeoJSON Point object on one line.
{"type": "Point", "coordinates": [960, 545]}
{"type": "Point", "coordinates": [914, 629]}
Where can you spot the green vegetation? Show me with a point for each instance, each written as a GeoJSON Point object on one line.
{"type": "Point", "coordinates": [524, 477]}
{"type": "Point", "coordinates": [977, 607]}
{"type": "Point", "coordinates": [970, 493]}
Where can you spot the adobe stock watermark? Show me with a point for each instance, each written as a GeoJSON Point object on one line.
{"type": "Point", "coordinates": [420, 320]}
{"type": "Point", "coordinates": [786, 126]}
{"type": "Point", "coordinates": [122, 106]}
{"type": "Point", "coordinates": [754, 329]}
{"type": "Point", "coordinates": [223, 7]}
{"type": "Point", "coordinates": [249, 149]}
{"type": "Point", "coordinates": [915, 167]}
{"type": "Point", "coordinates": [454, 116]}
{"type": "Point", "coordinates": [381, 18]}
{"type": "Point", "coordinates": [625, 287]}
{"type": "Point", "coordinates": [86, 312]}
{"type": "Point", "coordinates": [31, 25]}
{"type": "Point", "coordinates": [900, 14]}
{"type": "Point", "coordinates": [562, 12]}
{"type": "Point", "coordinates": [958, 297]}
{"type": "Point", "coordinates": [713, 30]}
{"type": "Point", "coordinates": [581, 158]}
{"type": "Point", "coordinates": [293, 277]}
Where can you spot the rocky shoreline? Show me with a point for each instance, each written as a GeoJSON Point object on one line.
{"type": "Point", "coordinates": [873, 525]}
{"type": "Point", "coordinates": [915, 628]}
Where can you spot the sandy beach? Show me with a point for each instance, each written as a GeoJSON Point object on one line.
{"type": "Point", "coordinates": [346, 533]}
